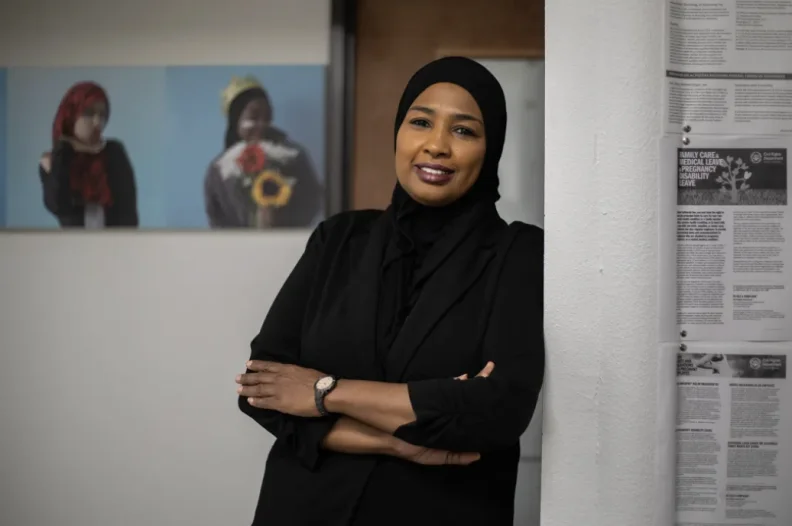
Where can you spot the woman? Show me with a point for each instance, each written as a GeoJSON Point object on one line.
{"type": "Point", "coordinates": [365, 367]}
{"type": "Point", "coordinates": [87, 181]}
{"type": "Point", "coordinates": [262, 179]}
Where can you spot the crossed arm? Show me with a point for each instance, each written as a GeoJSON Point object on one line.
{"type": "Point", "coordinates": [360, 428]}
{"type": "Point", "coordinates": [484, 413]}
{"type": "Point", "coordinates": [54, 174]}
{"type": "Point", "coordinates": [352, 435]}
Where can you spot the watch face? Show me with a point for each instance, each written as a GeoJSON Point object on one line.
{"type": "Point", "coordinates": [324, 383]}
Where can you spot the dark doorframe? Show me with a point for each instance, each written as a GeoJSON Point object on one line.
{"type": "Point", "coordinates": [340, 106]}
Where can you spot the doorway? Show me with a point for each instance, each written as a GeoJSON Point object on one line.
{"type": "Point", "coordinates": [394, 39]}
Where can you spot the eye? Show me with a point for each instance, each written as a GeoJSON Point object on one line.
{"type": "Point", "coordinates": [423, 123]}
{"type": "Point", "coordinates": [465, 131]}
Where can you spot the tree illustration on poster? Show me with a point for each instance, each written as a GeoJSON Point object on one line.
{"type": "Point", "coordinates": [721, 177]}
{"type": "Point", "coordinates": [735, 178]}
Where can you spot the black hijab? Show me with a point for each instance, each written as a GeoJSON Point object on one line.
{"type": "Point", "coordinates": [238, 106]}
{"type": "Point", "coordinates": [423, 236]}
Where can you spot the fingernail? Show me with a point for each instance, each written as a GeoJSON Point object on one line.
{"type": "Point", "coordinates": [250, 401]}
{"type": "Point", "coordinates": [239, 377]}
{"type": "Point", "coordinates": [248, 364]}
{"type": "Point", "coordinates": [239, 389]}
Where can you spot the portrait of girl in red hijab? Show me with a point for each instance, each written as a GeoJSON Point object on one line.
{"type": "Point", "coordinates": [87, 180]}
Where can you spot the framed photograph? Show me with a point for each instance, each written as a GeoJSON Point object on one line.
{"type": "Point", "coordinates": [176, 147]}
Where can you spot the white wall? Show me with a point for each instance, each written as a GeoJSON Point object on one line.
{"type": "Point", "coordinates": [521, 168]}
{"type": "Point", "coordinates": [118, 352]}
{"type": "Point", "coordinates": [603, 79]}
{"type": "Point", "coordinates": [171, 32]}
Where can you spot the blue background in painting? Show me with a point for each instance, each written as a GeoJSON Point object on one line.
{"type": "Point", "coordinates": [137, 109]}
{"type": "Point", "coordinates": [3, 163]}
{"type": "Point", "coordinates": [196, 125]}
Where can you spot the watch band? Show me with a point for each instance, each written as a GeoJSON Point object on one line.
{"type": "Point", "coordinates": [321, 391]}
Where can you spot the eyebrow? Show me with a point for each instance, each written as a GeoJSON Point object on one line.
{"type": "Point", "coordinates": [457, 116]}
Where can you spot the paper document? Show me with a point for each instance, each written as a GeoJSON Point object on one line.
{"type": "Point", "coordinates": [732, 433]}
{"type": "Point", "coordinates": [727, 244]}
{"type": "Point", "coordinates": [729, 66]}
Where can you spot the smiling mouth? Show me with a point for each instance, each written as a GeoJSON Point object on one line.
{"type": "Point", "coordinates": [434, 174]}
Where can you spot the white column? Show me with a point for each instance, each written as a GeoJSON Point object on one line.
{"type": "Point", "coordinates": [603, 97]}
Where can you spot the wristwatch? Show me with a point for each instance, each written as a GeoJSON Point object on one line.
{"type": "Point", "coordinates": [323, 386]}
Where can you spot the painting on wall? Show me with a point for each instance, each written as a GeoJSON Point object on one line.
{"type": "Point", "coordinates": [177, 147]}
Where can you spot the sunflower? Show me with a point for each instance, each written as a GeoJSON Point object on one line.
{"type": "Point", "coordinates": [271, 189]}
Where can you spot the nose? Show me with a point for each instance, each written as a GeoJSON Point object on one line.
{"type": "Point", "coordinates": [437, 143]}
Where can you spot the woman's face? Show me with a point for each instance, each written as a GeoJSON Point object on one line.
{"type": "Point", "coordinates": [440, 145]}
{"type": "Point", "coordinates": [90, 124]}
{"type": "Point", "coordinates": [254, 120]}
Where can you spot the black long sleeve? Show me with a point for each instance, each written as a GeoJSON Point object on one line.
{"type": "Point", "coordinates": [279, 340]}
{"type": "Point", "coordinates": [485, 414]}
{"type": "Point", "coordinates": [212, 205]}
{"type": "Point", "coordinates": [49, 190]}
{"type": "Point", "coordinates": [125, 210]}
{"type": "Point", "coordinates": [55, 185]}
{"type": "Point", "coordinates": [57, 193]}
{"type": "Point", "coordinates": [308, 192]}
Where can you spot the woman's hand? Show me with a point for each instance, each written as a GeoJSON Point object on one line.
{"type": "Point", "coordinates": [46, 162]}
{"type": "Point", "coordinates": [433, 457]}
{"type": "Point", "coordinates": [284, 388]}
{"type": "Point", "coordinates": [438, 457]}
{"type": "Point", "coordinates": [485, 372]}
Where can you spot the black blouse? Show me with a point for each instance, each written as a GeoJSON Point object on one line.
{"type": "Point", "coordinates": [229, 205]}
{"type": "Point", "coordinates": [484, 302]}
{"type": "Point", "coordinates": [60, 202]}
